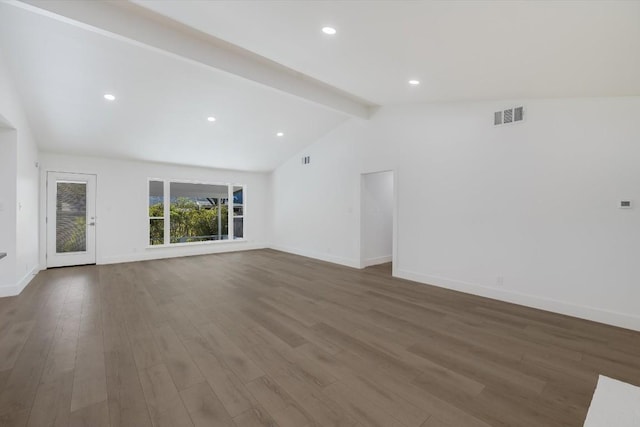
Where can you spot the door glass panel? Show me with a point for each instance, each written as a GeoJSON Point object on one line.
{"type": "Point", "coordinates": [71, 216]}
{"type": "Point", "coordinates": [238, 212]}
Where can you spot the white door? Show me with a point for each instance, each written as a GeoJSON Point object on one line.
{"type": "Point", "coordinates": [71, 219]}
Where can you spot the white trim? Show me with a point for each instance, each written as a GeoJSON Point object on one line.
{"type": "Point", "coordinates": [166, 209]}
{"type": "Point", "coordinates": [13, 290]}
{"type": "Point", "coordinates": [319, 256]}
{"type": "Point", "coordinates": [89, 256]}
{"type": "Point", "coordinates": [172, 253]}
{"type": "Point", "coordinates": [166, 202]}
{"type": "Point", "coordinates": [378, 260]}
{"type": "Point", "coordinates": [229, 213]}
{"type": "Point", "coordinates": [394, 249]}
{"type": "Point", "coordinates": [8, 291]}
{"type": "Point", "coordinates": [623, 320]}
{"type": "Point", "coordinates": [396, 207]}
{"type": "Point", "coordinates": [204, 242]}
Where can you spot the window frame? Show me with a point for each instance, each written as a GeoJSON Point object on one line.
{"type": "Point", "coordinates": [164, 213]}
{"type": "Point", "coordinates": [167, 213]}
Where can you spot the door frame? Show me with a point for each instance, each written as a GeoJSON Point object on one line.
{"type": "Point", "coordinates": [394, 238]}
{"type": "Point", "coordinates": [92, 186]}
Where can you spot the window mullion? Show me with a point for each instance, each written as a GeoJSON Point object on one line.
{"type": "Point", "coordinates": [167, 212]}
{"type": "Point", "coordinates": [230, 223]}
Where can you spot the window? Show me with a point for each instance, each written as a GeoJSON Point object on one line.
{"type": "Point", "coordinates": [193, 212]}
{"type": "Point", "coordinates": [198, 212]}
{"type": "Point", "coordinates": [156, 213]}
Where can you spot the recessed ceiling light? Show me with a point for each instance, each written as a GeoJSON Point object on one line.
{"type": "Point", "coordinates": [109, 97]}
{"type": "Point", "coordinates": [329, 30]}
{"type": "Point", "coordinates": [211, 119]}
{"type": "Point", "coordinates": [414, 82]}
{"type": "Point", "coordinates": [280, 134]}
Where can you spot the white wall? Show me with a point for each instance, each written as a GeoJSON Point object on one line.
{"type": "Point", "coordinates": [27, 191]}
{"type": "Point", "coordinates": [376, 206]}
{"type": "Point", "coordinates": [122, 206]}
{"type": "Point", "coordinates": [534, 203]}
{"type": "Point", "coordinates": [20, 190]}
{"type": "Point", "coordinates": [316, 210]}
{"type": "Point", "coordinates": [7, 211]}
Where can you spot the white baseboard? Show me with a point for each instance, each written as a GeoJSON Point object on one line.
{"type": "Point", "coordinates": [7, 291]}
{"type": "Point", "coordinates": [623, 320]}
{"type": "Point", "coordinates": [169, 252]}
{"type": "Point", "coordinates": [378, 260]}
{"type": "Point", "coordinates": [316, 255]}
{"type": "Point", "coordinates": [13, 290]}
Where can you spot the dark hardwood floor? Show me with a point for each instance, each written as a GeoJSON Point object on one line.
{"type": "Point", "coordinates": [263, 338]}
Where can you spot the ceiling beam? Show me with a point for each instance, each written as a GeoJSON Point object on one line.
{"type": "Point", "coordinates": [134, 24]}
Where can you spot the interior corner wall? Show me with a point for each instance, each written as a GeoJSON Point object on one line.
{"type": "Point", "coordinates": [23, 180]}
{"type": "Point", "coordinates": [317, 205]}
{"type": "Point", "coordinates": [122, 206]}
{"type": "Point", "coordinates": [526, 212]}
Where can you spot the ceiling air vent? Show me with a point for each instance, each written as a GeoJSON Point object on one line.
{"type": "Point", "coordinates": [518, 114]}
{"type": "Point", "coordinates": [510, 115]}
{"type": "Point", "coordinates": [497, 118]}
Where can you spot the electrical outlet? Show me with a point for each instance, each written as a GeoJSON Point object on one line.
{"type": "Point", "coordinates": [500, 281]}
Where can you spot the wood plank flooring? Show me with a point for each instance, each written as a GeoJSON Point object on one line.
{"type": "Point", "coordinates": [263, 338]}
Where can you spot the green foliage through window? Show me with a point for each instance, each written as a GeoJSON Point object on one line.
{"type": "Point", "coordinates": [197, 212]}
{"type": "Point", "coordinates": [190, 223]}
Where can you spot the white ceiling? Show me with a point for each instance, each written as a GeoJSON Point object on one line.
{"type": "Point", "coordinates": [459, 50]}
{"type": "Point", "coordinates": [162, 102]}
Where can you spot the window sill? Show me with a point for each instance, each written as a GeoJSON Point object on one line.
{"type": "Point", "coordinates": [209, 242]}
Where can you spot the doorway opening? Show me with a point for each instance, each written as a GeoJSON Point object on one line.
{"type": "Point", "coordinates": [377, 225]}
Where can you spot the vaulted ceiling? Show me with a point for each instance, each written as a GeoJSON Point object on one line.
{"type": "Point", "coordinates": [459, 50]}
{"type": "Point", "coordinates": [263, 67]}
